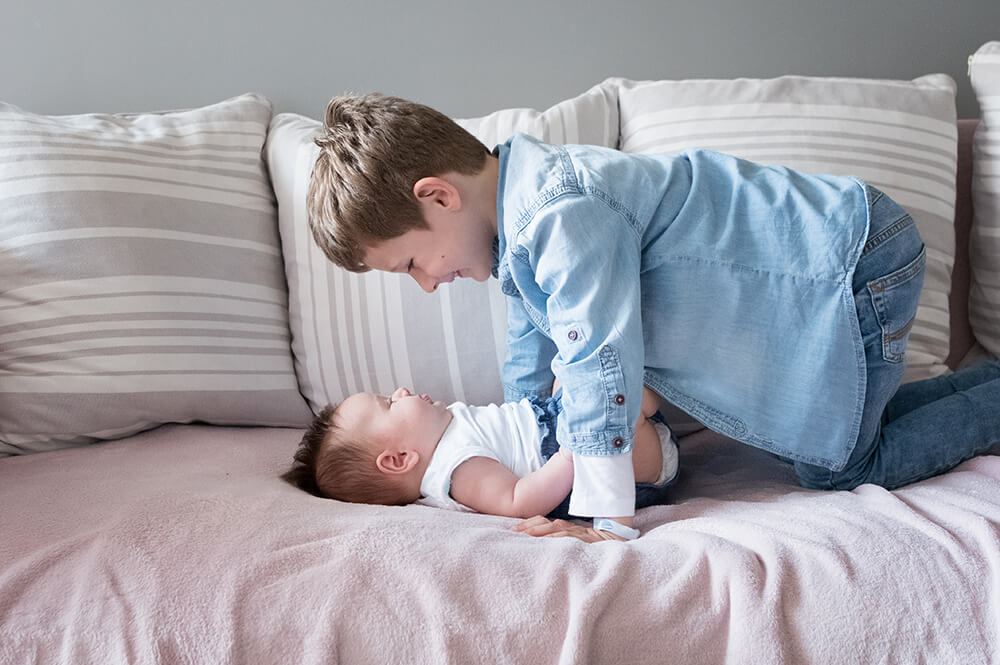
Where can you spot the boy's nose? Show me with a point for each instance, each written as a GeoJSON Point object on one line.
{"type": "Point", "coordinates": [425, 281]}
{"type": "Point", "coordinates": [428, 284]}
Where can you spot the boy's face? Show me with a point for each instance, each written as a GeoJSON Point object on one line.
{"type": "Point", "coordinates": [402, 419]}
{"type": "Point", "coordinates": [458, 242]}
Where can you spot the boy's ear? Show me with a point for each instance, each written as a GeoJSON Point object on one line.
{"type": "Point", "coordinates": [438, 192]}
{"type": "Point", "coordinates": [397, 462]}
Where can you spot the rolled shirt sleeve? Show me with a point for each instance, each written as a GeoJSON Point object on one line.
{"type": "Point", "coordinates": [527, 369]}
{"type": "Point", "coordinates": [577, 271]}
{"type": "Point", "coordinates": [584, 259]}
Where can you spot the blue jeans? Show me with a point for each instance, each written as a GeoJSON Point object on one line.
{"type": "Point", "coordinates": [547, 413]}
{"type": "Point", "coordinates": [920, 429]}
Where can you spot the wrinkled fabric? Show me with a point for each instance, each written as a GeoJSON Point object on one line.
{"type": "Point", "coordinates": [723, 285]}
{"type": "Point", "coordinates": [182, 545]}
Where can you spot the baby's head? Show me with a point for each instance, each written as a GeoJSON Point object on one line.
{"type": "Point", "coordinates": [370, 448]}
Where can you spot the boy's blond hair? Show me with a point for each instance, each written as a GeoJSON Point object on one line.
{"type": "Point", "coordinates": [334, 463]}
{"type": "Point", "coordinates": [373, 150]}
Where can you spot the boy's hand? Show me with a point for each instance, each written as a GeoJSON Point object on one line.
{"type": "Point", "coordinates": [542, 527]}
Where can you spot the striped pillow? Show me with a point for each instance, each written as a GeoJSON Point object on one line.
{"type": "Point", "coordinates": [590, 118]}
{"type": "Point", "coordinates": [898, 135]}
{"type": "Point", "coordinates": [376, 331]}
{"type": "Point", "coordinates": [141, 279]}
{"type": "Point", "coordinates": [984, 244]}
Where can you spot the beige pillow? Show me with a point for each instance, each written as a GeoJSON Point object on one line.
{"type": "Point", "coordinates": [141, 279]}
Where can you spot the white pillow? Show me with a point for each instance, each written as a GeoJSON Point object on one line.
{"type": "Point", "coordinates": [984, 242]}
{"type": "Point", "coordinates": [898, 135]}
{"type": "Point", "coordinates": [590, 118]}
{"type": "Point", "coordinates": [140, 276]}
{"type": "Point", "coordinates": [376, 331]}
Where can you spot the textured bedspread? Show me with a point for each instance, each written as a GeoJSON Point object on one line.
{"type": "Point", "coordinates": [181, 545]}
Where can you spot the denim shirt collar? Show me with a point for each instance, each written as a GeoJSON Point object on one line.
{"type": "Point", "coordinates": [501, 152]}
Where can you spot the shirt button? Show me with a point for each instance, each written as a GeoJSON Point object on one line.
{"type": "Point", "coordinates": [572, 334]}
{"type": "Point", "coordinates": [619, 399]}
{"type": "Point", "coordinates": [617, 442]}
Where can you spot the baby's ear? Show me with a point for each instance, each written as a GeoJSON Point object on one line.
{"type": "Point", "coordinates": [397, 462]}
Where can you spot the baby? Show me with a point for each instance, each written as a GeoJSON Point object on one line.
{"type": "Point", "coordinates": [501, 460]}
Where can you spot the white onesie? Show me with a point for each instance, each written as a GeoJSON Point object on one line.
{"type": "Point", "coordinates": [507, 433]}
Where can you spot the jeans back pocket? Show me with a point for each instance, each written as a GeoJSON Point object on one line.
{"type": "Point", "coordinates": [894, 299]}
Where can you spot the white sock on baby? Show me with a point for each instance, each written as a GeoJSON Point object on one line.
{"type": "Point", "coordinates": [670, 456]}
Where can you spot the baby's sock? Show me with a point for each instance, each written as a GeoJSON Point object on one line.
{"type": "Point", "coordinates": [670, 457]}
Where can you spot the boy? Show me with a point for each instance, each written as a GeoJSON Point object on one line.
{"type": "Point", "coordinates": [501, 460]}
{"type": "Point", "coordinates": [771, 305]}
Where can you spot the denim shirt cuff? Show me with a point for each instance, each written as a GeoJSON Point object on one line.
{"type": "Point", "coordinates": [610, 442]}
{"type": "Point", "coordinates": [514, 394]}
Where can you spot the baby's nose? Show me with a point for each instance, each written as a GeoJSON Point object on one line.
{"type": "Point", "coordinates": [401, 392]}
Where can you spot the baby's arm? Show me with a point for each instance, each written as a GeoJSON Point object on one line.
{"type": "Point", "coordinates": [487, 486]}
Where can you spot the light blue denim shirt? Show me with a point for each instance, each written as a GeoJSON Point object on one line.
{"type": "Point", "coordinates": [723, 285]}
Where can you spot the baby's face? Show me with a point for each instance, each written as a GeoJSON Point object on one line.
{"type": "Point", "coordinates": [402, 418]}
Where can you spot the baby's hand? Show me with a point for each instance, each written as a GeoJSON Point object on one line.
{"type": "Point", "coordinates": [567, 453]}
{"type": "Point", "coordinates": [542, 527]}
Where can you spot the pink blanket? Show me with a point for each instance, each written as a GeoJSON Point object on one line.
{"type": "Point", "coordinates": [181, 545]}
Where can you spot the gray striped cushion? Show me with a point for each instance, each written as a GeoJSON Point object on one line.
{"type": "Point", "coordinates": [140, 276]}
{"type": "Point", "coordinates": [984, 245]}
{"type": "Point", "coordinates": [377, 331]}
{"type": "Point", "coordinates": [898, 135]}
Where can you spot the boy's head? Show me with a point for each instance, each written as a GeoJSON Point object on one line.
{"type": "Point", "coordinates": [374, 150]}
{"type": "Point", "coordinates": [370, 448]}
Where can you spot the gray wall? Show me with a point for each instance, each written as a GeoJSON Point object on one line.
{"type": "Point", "coordinates": [466, 58]}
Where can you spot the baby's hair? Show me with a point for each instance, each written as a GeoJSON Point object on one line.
{"type": "Point", "coordinates": [303, 471]}
{"type": "Point", "coordinates": [334, 463]}
{"type": "Point", "coordinates": [372, 151]}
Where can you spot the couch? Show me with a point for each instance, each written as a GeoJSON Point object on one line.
{"type": "Point", "coordinates": [167, 330]}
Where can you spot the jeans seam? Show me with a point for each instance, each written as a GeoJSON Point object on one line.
{"type": "Point", "coordinates": [887, 233]}
{"type": "Point", "coordinates": [899, 334]}
{"type": "Point", "coordinates": [874, 195]}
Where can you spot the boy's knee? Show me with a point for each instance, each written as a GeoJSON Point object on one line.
{"type": "Point", "coordinates": [815, 477]}
{"type": "Point", "coordinates": [812, 477]}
